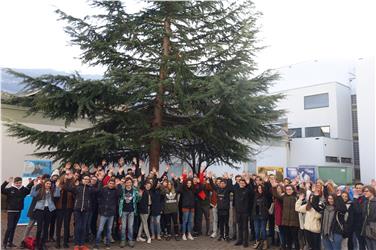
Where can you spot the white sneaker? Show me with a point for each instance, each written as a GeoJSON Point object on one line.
{"type": "Point", "coordinates": [190, 236]}
{"type": "Point", "coordinates": [149, 241]}
{"type": "Point", "coordinates": [159, 237]}
{"type": "Point", "coordinates": [140, 239]}
{"type": "Point", "coordinates": [184, 237]}
{"type": "Point", "coordinates": [213, 235]}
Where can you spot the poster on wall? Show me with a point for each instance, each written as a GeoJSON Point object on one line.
{"type": "Point", "coordinates": [268, 170]}
{"type": "Point", "coordinates": [35, 168]}
{"type": "Point", "coordinates": [306, 173]}
{"type": "Point", "coordinates": [32, 169]}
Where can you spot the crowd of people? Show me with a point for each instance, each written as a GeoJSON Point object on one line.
{"type": "Point", "coordinates": [126, 206]}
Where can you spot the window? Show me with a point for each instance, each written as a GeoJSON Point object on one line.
{"type": "Point", "coordinates": [346, 160]}
{"type": "Point", "coordinates": [316, 101]}
{"type": "Point", "coordinates": [331, 159]}
{"type": "Point", "coordinates": [295, 132]}
{"type": "Point", "coordinates": [323, 131]}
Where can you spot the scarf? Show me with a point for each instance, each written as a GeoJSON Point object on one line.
{"type": "Point", "coordinates": [16, 186]}
{"type": "Point", "coordinates": [327, 220]}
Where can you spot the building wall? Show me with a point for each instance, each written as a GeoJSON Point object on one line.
{"type": "Point", "coordinates": [366, 93]}
{"type": "Point", "coordinates": [13, 151]}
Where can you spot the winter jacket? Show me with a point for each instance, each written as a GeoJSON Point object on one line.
{"type": "Point", "coordinates": [107, 201]}
{"type": "Point", "coordinates": [223, 195]}
{"type": "Point", "coordinates": [260, 208]}
{"type": "Point", "coordinates": [242, 197]}
{"type": "Point", "coordinates": [15, 196]}
{"type": "Point", "coordinates": [157, 202]}
{"type": "Point", "coordinates": [369, 216]}
{"type": "Point", "coordinates": [312, 220]}
{"type": "Point", "coordinates": [358, 205]}
{"type": "Point", "coordinates": [66, 199]}
{"type": "Point", "coordinates": [83, 194]}
{"type": "Point", "coordinates": [187, 195]}
{"type": "Point", "coordinates": [145, 202]}
{"type": "Point", "coordinates": [278, 212]}
{"type": "Point", "coordinates": [135, 199]}
{"type": "Point", "coordinates": [171, 201]}
{"type": "Point", "coordinates": [289, 216]}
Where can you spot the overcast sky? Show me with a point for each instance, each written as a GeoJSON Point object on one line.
{"type": "Point", "coordinates": [294, 31]}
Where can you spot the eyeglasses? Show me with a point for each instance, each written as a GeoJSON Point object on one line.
{"type": "Point", "coordinates": [365, 191]}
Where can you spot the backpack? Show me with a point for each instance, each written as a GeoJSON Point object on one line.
{"type": "Point", "coordinates": [30, 242]}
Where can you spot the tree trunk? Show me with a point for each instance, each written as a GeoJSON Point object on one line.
{"type": "Point", "coordinates": [155, 145]}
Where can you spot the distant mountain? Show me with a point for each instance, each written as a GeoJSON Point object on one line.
{"type": "Point", "coordinates": [12, 84]}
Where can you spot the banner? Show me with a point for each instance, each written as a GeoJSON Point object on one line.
{"type": "Point", "coordinates": [32, 169]}
{"type": "Point", "coordinates": [35, 168]}
{"type": "Point", "coordinates": [305, 173]}
{"type": "Point", "coordinates": [274, 170]}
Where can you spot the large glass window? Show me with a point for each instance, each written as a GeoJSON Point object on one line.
{"type": "Point", "coordinates": [316, 101]}
{"type": "Point", "coordinates": [323, 131]}
{"type": "Point", "coordinates": [295, 132]}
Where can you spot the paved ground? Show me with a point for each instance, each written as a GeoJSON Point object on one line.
{"type": "Point", "coordinates": [200, 243]}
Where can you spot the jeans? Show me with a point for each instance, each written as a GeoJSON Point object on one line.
{"type": "Point", "coordinates": [333, 244]}
{"type": "Point", "coordinates": [102, 221]}
{"type": "Point", "coordinates": [187, 221]}
{"type": "Point", "coordinates": [282, 236]}
{"type": "Point", "coordinates": [63, 215]}
{"type": "Point", "coordinates": [144, 226]}
{"type": "Point", "coordinates": [370, 243]}
{"type": "Point", "coordinates": [80, 219]}
{"type": "Point", "coordinates": [13, 218]}
{"type": "Point", "coordinates": [155, 225]}
{"type": "Point", "coordinates": [127, 219]}
{"type": "Point", "coordinates": [260, 228]}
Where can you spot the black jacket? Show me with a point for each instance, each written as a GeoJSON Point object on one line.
{"type": "Point", "coordinates": [188, 195]}
{"type": "Point", "coordinates": [223, 195]}
{"type": "Point", "coordinates": [15, 196]}
{"type": "Point", "coordinates": [157, 201]}
{"type": "Point", "coordinates": [107, 201]}
{"type": "Point", "coordinates": [83, 195]}
{"type": "Point", "coordinates": [143, 204]}
{"type": "Point", "coordinates": [242, 197]}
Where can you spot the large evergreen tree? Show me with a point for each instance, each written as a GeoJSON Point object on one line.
{"type": "Point", "coordinates": [179, 82]}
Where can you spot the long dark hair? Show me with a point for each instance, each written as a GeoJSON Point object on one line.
{"type": "Point", "coordinates": [258, 195]}
{"type": "Point", "coordinates": [42, 191]}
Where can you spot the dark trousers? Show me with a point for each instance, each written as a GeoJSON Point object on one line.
{"type": "Point", "coordinates": [252, 228]}
{"type": "Point", "coordinates": [43, 218]}
{"type": "Point", "coordinates": [136, 224]}
{"type": "Point", "coordinates": [80, 220]}
{"type": "Point", "coordinates": [313, 240]}
{"type": "Point", "coordinates": [361, 240]}
{"type": "Point", "coordinates": [292, 237]}
{"type": "Point", "coordinates": [63, 216]}
{"type": "Point", "coordinates": [174, 218]}
{"type": "Point", "coordinates": [203, 211]}
{"type": "Point", "coordinates": [93, 221]}
{"type": "Point", "coordinates": [242, 221]}
{"type": "Point", "coordinates": [223, 216]}
{"type": "Point", "coordinates": [52, 224]}
{"type": "Point", "coordinates": [271, 231]}
{"type": "Point", "coordinates": [13, 218]}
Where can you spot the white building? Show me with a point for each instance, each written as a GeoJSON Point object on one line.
{"type": "Point", "coordinates": [320, 97]}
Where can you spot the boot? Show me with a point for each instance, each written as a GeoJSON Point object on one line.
{"type": "Point", "coordinates": [122, 243]}
{"type": "Point", "coordinates": [257, 244]}
{"type": "Point", "coordinates": [265, 245]}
